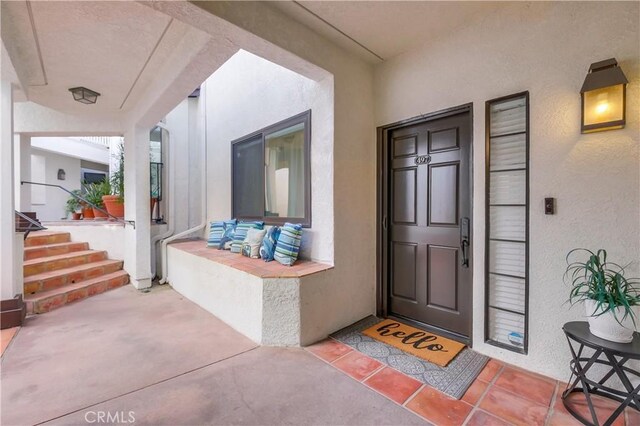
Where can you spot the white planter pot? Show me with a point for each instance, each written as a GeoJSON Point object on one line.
{"type": "Point", "coordinates": [606, 326]}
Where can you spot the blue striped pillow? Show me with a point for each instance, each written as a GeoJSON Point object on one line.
{"type": "Point", "coordinates": [241, 233]}
{"type": "Point", "coordinates": [229, 228]}
{"type": "Point", "coordinates": [216, 231]}
{"type": "Point", "coordinates": [268, 248]}
{"type": "Point", "coordinates": [288, 245]}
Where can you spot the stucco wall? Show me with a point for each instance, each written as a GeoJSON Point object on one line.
{"type": "Point", "coordinates": [219, 289]}
{"type": "Point", "coordinates": [249, 93]}
{"type": "Point", "coordinates": [72, 148]}
{"type": "Point", "coordinates": [56, 199]}
{"type": "Point", "coordinates": [266, 32]}
{"type": "Point", "coordinates": [100, 236]}
{"type": "Point", "coordinates": [545, 49]}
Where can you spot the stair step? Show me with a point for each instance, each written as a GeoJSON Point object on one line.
{"type": "Point", "coordinates": [61, 261]}
{"type": "Point", "coordinates": [41, 238]}
{"type": "Point", "coordinates": [48, 300]}
{"type": "Point", "coordinates": [51, 280]}
{"type": "Point", "coordinates": [48, 250]}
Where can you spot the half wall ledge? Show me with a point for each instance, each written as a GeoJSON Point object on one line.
{"type": "Point", "coordinates": [272, 304]}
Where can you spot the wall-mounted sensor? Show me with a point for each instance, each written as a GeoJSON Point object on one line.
{"type": "Point", "coordinates": [549, 206]}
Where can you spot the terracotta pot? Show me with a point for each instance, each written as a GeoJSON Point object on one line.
{"type": "Point", "coordinates": [87, 213]}
{"type": "Point", "coordinates": [75, 216]}
{"type": "Point", "coordinates": [113, 205]}
{"type": "Point", "coordinates": [99, 215]}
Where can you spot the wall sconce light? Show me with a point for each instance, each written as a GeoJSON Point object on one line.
{"type": "Point", "coordinates": [84, 95]}
{"type": "Point", "coordinates": [604, 95]}
{"type": "Point", "coordinates": [61, 174]}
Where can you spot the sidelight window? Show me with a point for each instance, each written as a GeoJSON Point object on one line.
{"type": "Point", "coordinates": [271, 173]}
{"type": "Point", "coordinates": [507, 222]}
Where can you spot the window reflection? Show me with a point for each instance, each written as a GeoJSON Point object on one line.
{"type": "Point", "coordinates": [285, 172]}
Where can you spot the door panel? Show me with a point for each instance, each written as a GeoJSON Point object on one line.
{"type": "Point", "coordinates": [429, 193]}
{"type": "Point", "coordinates": [405, 145]}
{"type": "Point", "coordinates": [443, 194]}
{"type": "Point", "coordinates": [404, 195]}
{"type": "Point", "coordinates": [442, 283]}
{"type": "Point", "coordinates": [442, 140]}
{"type": "Point", "coordinates": [404, 262]}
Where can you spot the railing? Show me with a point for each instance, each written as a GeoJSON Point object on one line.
{"type": "Point", "coordinates": [76, 196]}
{"type": "Point", "coordinates": [33, 225]}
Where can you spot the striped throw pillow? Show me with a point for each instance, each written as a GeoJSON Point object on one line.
{"type": "Point", "coordinates": [216, 231]}
{"type": "Point", "coordinates": [288, 245]}
{"type": "Point", "coordinates": [268, 248]}
{"type": "Point", "coordinates": [227, 236]}
{"type": "Point", "coordinates": [241, 233]}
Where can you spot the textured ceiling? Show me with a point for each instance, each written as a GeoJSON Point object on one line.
{"type": "Point", "coordinates": [109, 47]}
{"type": "Point", "coordinates": [117, 48]}
{"type": "Point", "coordinates": [380, 30]}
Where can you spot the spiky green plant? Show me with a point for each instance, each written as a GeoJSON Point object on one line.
{"type": "Point", "coordinates": [602, 281]}
{"type": "Point", "coordinates": [95, 191]}
{"type": "Point", "coordinates": [73, 203]}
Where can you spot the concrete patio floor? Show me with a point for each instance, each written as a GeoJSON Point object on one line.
{"type": "Point", "coordinates": [168, 361]}
{"type": "Point", "coordinates": [157, 358]}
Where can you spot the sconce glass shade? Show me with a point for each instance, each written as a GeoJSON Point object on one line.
{"type": "Point", "coordinates": [604, 97]}
{"type": "Point", "coordinates": [84, 95]}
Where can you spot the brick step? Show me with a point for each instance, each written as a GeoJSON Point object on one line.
{"type": "Point", "coordinates": [47, 281]}
{"type": "Point", "coordinates": [41, 238]}
{"type": "Point", "coordinates": [61, 261]}
{"type": "Point", "coordinates": [47, 250]}
{"type": "Point", "coordinates": [46, 301]}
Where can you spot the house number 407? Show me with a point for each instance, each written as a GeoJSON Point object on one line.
{"type": "Point", "coordinates": [423, 159]}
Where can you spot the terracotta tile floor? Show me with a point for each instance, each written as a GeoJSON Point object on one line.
{"type": "Point", "coordinates": [5, 338]}
{"type": "Point", "coordinates": [501, 395]}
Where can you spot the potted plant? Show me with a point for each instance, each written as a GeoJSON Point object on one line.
{"type": "Point", "coordinates": [73, 206]}
{"type": "Point", "coordinates": [87, 210]}
{"type": "Point", "coordinates": [94, 193]}
{"type": "Point", "coordinates": [114, 201]}
{"type": "Point", "coordinates": [609, 297]}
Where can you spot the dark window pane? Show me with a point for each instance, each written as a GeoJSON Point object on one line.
{"type": "Point", "coordinates": [248, 175]}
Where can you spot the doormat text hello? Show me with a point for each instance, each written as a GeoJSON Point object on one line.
{"type": "Point", "coordinates": [428, 346]}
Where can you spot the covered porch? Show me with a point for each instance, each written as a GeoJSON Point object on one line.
{"type": "Point", "coordinates": [157, 358]}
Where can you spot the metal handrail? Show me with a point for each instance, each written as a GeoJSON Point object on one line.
{"type": "Point", "coordinates": [33, 225]}
{"type": "Point", "coordinates": [118, 219]}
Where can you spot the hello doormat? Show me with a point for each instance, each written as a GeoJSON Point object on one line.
{"type": "Point", "coordinates": [423, 344]}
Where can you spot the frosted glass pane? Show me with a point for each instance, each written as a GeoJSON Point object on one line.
{"type": "Point", "coordinates": [506, 327]}
{"type": "Point", "coordinates": [508, 187]}
{"type": "Point", "coordinates": [507, 222]}
{"type": "Point", "coordinates": [508, 117]}
{"type": "Point", "coordinates": [508, 152]}
{"type": "Point", "coordinates": [507, 293]}
{"type": "Point", "coordinates": [507, 258]}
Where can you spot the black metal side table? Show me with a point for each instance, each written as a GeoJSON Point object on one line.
{"type": "Point", "coordinates": [611, 354]}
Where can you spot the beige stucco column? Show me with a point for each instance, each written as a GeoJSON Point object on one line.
{"type": "Point", "coordinates": [137, 241]}
{"type": "Point", "coordinates": [11, 281]}
{"type": "Point", "coordinates": [22, 171]}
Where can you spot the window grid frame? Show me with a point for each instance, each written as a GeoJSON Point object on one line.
{"type": "Point", "coordinates": [488, 239]}
{"type": "Point", "coordinates": [305, 118]}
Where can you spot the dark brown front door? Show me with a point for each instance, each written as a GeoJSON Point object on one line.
{"type": "Point", "coordinates": [427, 266]}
